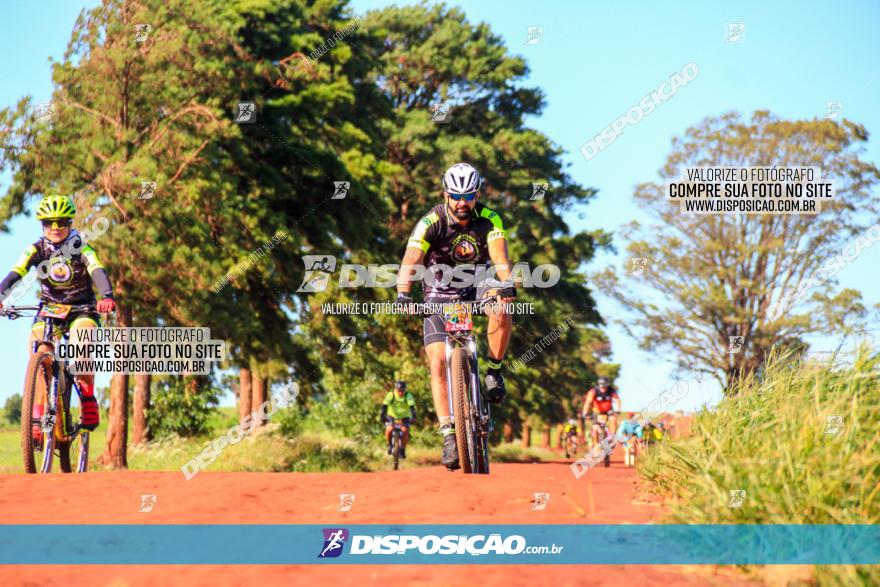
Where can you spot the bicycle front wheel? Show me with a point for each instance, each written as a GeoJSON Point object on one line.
{"type": "Point", "coordinates": [70, 412]}
{"type": "Point", "coordinates": [464, 433]}
{"type": "Point", "coordinates": [37, 448]}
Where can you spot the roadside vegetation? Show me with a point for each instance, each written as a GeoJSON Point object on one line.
{"type": "Point", "coordinates": [803, 442]}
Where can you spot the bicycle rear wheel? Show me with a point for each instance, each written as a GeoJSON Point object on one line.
{"type": "Point", "coordinates": [464, 434]}
{"type": "Point", "coordinates": [37, 454]}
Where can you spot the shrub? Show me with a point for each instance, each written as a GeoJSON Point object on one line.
{"type": "Point", "coordinates": [181, 405]}
{"type": "Point", "coordinates": [13, 408]}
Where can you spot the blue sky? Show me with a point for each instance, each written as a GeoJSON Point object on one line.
{"type": "Point", "coordinates": [593, 62]}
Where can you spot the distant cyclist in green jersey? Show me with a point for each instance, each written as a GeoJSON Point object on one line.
{"type": "Point", "coordinates": [73, 271]}
{"type": "Point", "coordinates": [398, 405]}
{"type": "Point", "coordinates": [459, 231]}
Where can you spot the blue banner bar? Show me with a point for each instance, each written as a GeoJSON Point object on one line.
{"type": "Point", "coordinates": [661, 544]}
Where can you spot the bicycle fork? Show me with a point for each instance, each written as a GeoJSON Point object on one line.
{"type": "Point", "coordinates": [50, 421]}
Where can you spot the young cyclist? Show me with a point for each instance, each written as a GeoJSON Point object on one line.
{"type": "Point", "coordinates": [72, 270]}
{"type": "Point", "coordinates": [629, 434]}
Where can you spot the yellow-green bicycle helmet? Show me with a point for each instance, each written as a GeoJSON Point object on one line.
{"type": "Point", "coordinates": [55, 207]}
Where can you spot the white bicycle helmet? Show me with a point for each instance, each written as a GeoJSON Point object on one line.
{"type": "Point", "coordinates": [462, 178]}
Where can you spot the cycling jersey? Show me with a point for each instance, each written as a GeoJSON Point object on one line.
{"type": "Point", "coordinates": [71, 267]}
{"type": "Point", "coordinates": [602, 400]}
{"type": "Point", "coordinates": [399, 407]}
{"type": "Point", "coordinates": [628, 429]}
{"type": "Point", "coordinates": [446, 242]}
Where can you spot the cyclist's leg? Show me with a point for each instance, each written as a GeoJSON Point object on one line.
{"type": "Point", "coordinates": [86, 381]}
{"type": "Point", "coordinates": [436, 353]}
{"type": "Point", "coordinates": [500, 329]}
{"type": "Point", "coordinates": [498, 335]}
{"type": "Point", "coordinates": [612, 424]}
{"type": "Point", "coordinates": [388, 429]}
{"type": "Point", "coordinates": [405, 429]}
{"type": "Point", "coordinates": [594, 429]}
{"type": "Point", "coordinates": [435, 349]}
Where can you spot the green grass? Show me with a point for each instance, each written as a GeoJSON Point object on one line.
{"type": "Point", "coordinates": [770, 440]}
{"type": "Point", "coordinates": [314, 449]}
{"type": "Point", "coordinates": [513, 452]}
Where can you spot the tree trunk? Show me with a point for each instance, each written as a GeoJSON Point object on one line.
{"type": "Point", "coordinates": [259, 394]}
{"type": "Point", "coordinates": [545, 438]}
{"type": "Point", "coordinates": [526, 435]}
{"type": "Point", "coordinates": [117, 428]}
{"type": "Point", "coordinates": [507, 432]}
{"type": "Point", "coordinates": [244, 393]}
{"type": "Point", "coordinates": [140, 430]}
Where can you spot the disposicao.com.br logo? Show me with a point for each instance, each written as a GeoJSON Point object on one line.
{"type": "Point", "coordinates": [454, 544]}
{"type": "Point", "coordinates": [319, 268]}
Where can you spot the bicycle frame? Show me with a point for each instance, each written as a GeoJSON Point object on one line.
{"type": "Point", "coordinates": [54, 404]}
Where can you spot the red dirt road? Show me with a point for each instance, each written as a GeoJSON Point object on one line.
{"type": "Point", "coordinates": [426, 495]}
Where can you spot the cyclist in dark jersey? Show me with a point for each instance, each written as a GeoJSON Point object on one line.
{"type": "Point", "coordinates": [603, 400]}
{"type": "Point", "coordinates": [68, 269]}
{"type": "Point", "coordinates": [459, 232]}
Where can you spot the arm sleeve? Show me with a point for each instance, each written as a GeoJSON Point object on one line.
{"type": "Point", "coordinates": [412, 412]}
{"type": "Point", "coordinates": [410, 400]}
{"type": "Point", "coordinates": [424, 232]}
{"type": "Point", "coordinates": [384, 413]}
{"type": "Point", "coordinates": [6, 285]}
{"type": "Point", "coordinates": [19, 270]}
{"type": "Point", "coordinates": [97, 272]}
{"type": "Point", "coordinates": [497, 225]}
{"type": "Point", "coordinates": [387, 401]}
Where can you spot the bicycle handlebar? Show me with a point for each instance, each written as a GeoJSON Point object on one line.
{"type": "Point", "coordinates": [13, 312]}
{"type": "Point", "coordinates": [475, 305]}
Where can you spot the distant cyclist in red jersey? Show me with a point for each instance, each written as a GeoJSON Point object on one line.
{"type": "Point", "coordinates": [603, 400]}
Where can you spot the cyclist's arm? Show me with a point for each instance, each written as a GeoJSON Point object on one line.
{"type": "Point", "coordinates": [385, 403]}
{"type": "Point", "coordinates": [411, 259]}
{"type": "Point", "coordinates": [588, 403]}
{"type": "Point", "coordinates": [19, 270]}
{"type": "Point", "coordinates": [497, 241]}
{"type": "Point", "coordinates": [97, 272]}
{"type": "Point", "coordinates": [615, 402]}
{"type": "Point", "coordinates": [416, 248]}
{"type": "Point", "coordinates": [411, 401]}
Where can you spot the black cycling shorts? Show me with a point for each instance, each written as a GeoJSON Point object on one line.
{"type": "Point", "coordinates": [433, 328]}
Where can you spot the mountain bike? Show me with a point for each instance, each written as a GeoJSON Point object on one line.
{"type": "Point", "coordinates": [602, 426]}
{"type": "Point", "coordinates": [571, 443]}
{"type": "Point", "coordinates": [396, 442]}
{"type": "Point", "coordinates": [471, 413]}
{"type": "Point", "coordinates": [48, 378]}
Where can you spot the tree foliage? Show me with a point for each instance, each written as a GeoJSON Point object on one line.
{"type": "Point", "coordinates": [162, 109]}
{"type": "Point", "coordinates": [718, 275]}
